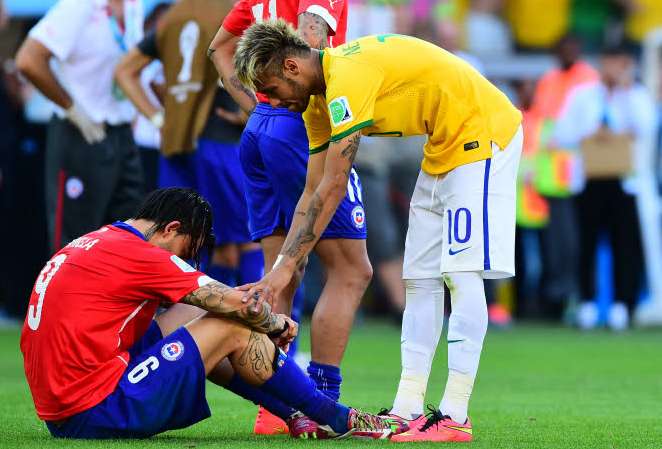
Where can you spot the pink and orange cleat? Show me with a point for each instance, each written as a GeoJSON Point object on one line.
{"type": "Point", "coordinates": [435, 427]}
{"type": "Point", "coordinates": [267, 423]}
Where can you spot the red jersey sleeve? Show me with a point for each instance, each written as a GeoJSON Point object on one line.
{"type": "Point", "coordinates": [329, 10]}
{"type": "Point", "coordinates": [239, 18]}
{"type": "Point", "coordinates": [156, 274]}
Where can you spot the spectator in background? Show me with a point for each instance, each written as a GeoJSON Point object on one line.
{"type": "Point", "coordinates": [532, 213]}
{"type": "Point", "coordinates": [557, 177]}
{"type": "Point", "coordinates": [617, 115]}
{"type": "Point", "coordinates": [93, 172]}
{"type": "Point", "coordinates": [201, 127]}
{"type": "Point", "coordinates": [539, 24]}
{"type": "Point", "coordinates": [486, 34]}
{"type": "Point", "coordinates": [146, 135]}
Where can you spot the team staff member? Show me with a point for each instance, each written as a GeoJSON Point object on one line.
{"type": "Point", "coordinates": [93, 169]}
{"type": "Point", "coordinates": [274, 156]}
{"type": "Point", "coordinates": [462, 215]}
{"type": "Point", "coordinates": [98, 364]}
{"type": "Point", "coordinates": [200, 149]}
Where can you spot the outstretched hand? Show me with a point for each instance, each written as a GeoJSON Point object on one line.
{"type": "Point", "coordinates": [266, 289]}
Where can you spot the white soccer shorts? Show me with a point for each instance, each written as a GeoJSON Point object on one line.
{"type": "Point", "coordinates": [464, 220]}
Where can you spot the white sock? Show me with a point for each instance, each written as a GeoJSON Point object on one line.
{"type": "Point", "coordinates": [467, 327]}
{"type": "Point", "coordinates": [422, 322]}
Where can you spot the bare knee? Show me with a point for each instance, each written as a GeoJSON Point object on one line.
{"type": "Point", "coordinates": [226, 255]}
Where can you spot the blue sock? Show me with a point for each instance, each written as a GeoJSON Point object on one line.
{"type": "Point", "coordinates": [259, 397]}
{"type": "Point", "coordinates": [291, 385]}
{"type": "Point", "coordinates": [251, 266]}
{"type": "Point", "coordinates": [223, 274]}
{"type": "Point", "coordinates": [297, 309]}
{"type": "Point", "coordinates": [327, 378]}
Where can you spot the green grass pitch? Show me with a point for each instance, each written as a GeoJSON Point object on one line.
{"type": "Point", "coordinates": [538, 387]}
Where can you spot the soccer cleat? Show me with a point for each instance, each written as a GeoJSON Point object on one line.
{"type": "Point", "coordinates": [398, 423]}
{"type": "Point", "coordinates": [267, 423]}
{"type": "Point", "coordinates": [436, 427]}
{"type": "Point", "coordinates": [303, 427]}
{"type": "Point", "coordinates": [368, 426]}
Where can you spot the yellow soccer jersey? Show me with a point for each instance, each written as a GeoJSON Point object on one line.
{"type": "Point", "coordinates": [393, 85]}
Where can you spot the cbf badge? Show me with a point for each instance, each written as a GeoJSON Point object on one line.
{"type": "Point", "coordinates": [172, 351]}
{"type": "Point", "coordinates": [358, 217]}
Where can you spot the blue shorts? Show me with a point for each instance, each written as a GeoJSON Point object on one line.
{"type": "Point", "coordinates": [274, 157]}
{"type": "Point", "coordinates": [215, 172]}
{"type": "Point", "coordinates": [163, 388]}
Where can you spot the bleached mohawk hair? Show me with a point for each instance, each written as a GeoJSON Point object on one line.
{"type": "Point", "coordinates": [262, 49]}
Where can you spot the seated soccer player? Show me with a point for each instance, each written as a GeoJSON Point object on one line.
{"type": "Point", "coordinates": [99, 366]}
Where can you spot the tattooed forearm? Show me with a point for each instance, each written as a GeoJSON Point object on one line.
{"type": "Point", "coordinates": [209, 297]}
{"type": "Point", "coordinates": [212, 297]}
{"type": "Point", "coordinates": [210, 52]}
{"type": "Point", "coordinates": [234, 81]}
{"type": "Point", "coordinates": [255, 357]}
{"type": "Point", "coordinates": [307, 233]}
{"type": "Point", "coordinates": [350, 150]}
{"type": "Point", "coordinates": [314, 30]}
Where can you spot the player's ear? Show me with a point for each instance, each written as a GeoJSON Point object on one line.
{"type": "Point", "coordinates": [171, 227]}
{"type": "Point", "coordinates": [290, 66]}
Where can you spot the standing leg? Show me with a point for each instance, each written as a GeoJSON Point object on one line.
{"type": "Point", "coordinates": [348, 275]}
{"type": "Point", "coordinates": [467, 327]}
{"type": "Point", "coordinates": [423, 317]}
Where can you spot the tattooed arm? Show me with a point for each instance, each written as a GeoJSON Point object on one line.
{"type": "Point", "coordinates": [314, 30]}
{"type": "Point", "coordinates": [225, 302]}
{"type": "Point", "coordinates": [221, 51]}
{"type": "Point", "coordinates": [326, 186]}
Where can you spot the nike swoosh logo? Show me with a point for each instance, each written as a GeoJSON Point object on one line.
{"type": "Point", "coordinates": [452, 253]}
{"type": "Point", "coordinates": [461, 429]}
{"type": "Point", "coordinates": [455, 341]}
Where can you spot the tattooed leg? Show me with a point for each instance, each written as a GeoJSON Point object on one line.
{"type": "Point", "coordinates": [255, 362]}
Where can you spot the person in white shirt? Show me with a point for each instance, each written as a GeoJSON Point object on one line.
{"type": "Point", "coordinates": [93, 170]}
{"type": "Point", "coordinates": [614, 106]}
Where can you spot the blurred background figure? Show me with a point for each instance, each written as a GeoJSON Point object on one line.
{"type": "Point", "coordinates": [558, 177]}
{"type": "Point", "coordinates": [201, 126]}
{"type": "Point", "coordinates": [93, 170]}
{"type": "Point", "coordinates": [146, 135]}
{"type": "Point", "coordinates": [613, 121]}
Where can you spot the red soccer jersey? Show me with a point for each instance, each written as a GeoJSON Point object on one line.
{"type": "Point", "coordinates": [92, 301]}
{"type": "Point", "coordinates": [246, 12]}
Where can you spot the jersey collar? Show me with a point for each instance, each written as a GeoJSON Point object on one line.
{"type": "Point", "coordinates": [129, 228]}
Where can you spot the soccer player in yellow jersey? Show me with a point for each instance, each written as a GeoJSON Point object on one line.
{"type": "Point", "coordinates": [462, 215]}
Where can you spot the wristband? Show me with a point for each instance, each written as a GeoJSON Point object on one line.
{"type": "Point", "coordinates": [279, 259]}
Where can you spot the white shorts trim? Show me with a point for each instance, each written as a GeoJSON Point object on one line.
{"type": "Point", "coordinates": [464, 220]}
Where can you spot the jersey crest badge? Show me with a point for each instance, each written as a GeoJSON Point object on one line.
{"type": "Point", "coordinates": [340, 111]}
{"type": "Point", "coordinates": [173, 351]}
{"type": "Point", "coordinates": [358, 217]}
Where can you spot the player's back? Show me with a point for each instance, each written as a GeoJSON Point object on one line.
{"type": "Point", "coordinates": [92, 301]}
{"type": "Point", "coordinates": [419, 88]}
{"type": "Point", "coordinates": [190, 77]}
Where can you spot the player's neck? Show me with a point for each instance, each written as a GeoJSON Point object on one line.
{"type": "Point", "coordinates": [319, 84]}
{"type": "Point", "coordinates": [144, 226]}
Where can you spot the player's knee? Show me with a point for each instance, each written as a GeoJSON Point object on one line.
{"type": "Point", "coordinates": [226, 255]}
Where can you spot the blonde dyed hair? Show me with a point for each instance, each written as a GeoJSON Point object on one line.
{"type": "Point", "coordinates": [263, 48]}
